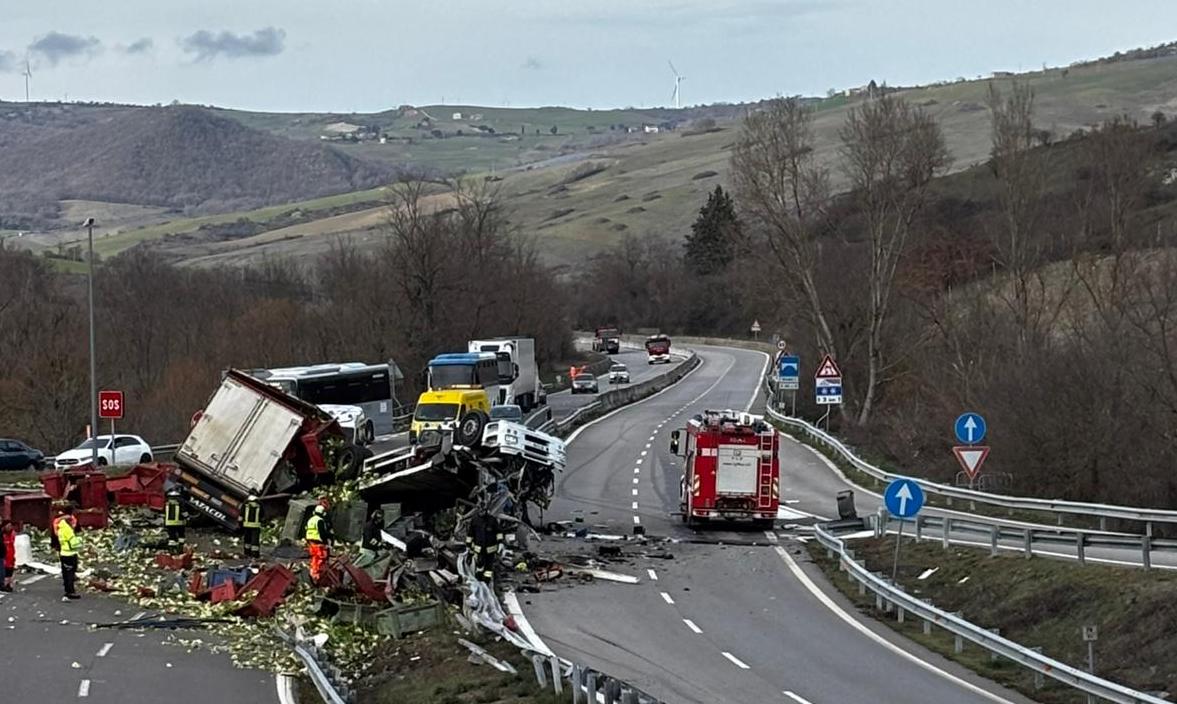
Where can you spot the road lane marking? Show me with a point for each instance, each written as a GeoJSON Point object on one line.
{"type": "Point", "coordinates": [105, 649]}
{"type": "Point", "coordinates": [756, 391]}
{"type": "Point", "coordinates": [644, 453]}
{"type": "Point", "coordinates": [637, 520]}
{"type": "Point", "coordinates": [797, 698]}
{"type": "Point", "coordinates": [635, 505]}
{"type": "Point", "coordinates": [84, 688]}
{"type": "Point", "coordinates": [770, 536]}
{"type": "Point", "coordinates": [691, 625]}
{"type": "Point", "coordinates": [629, 406]}
{"type": "Point", "coordinates": [637, 470]}
{"type": "Point", "coordinates": [653, 575]}
{"type": "Point", "coordinates": [667, 599]}
{"type": "Point", "coordinates": [635, 480]}
{"type": "Point", "coordinates": [861, 628]}
{"type": "Point", "coordinates": [639, 460]}
{"type": "Point", "coordinates": [738, 662]}
{"type": "Point", "coordinates": [635, 492]}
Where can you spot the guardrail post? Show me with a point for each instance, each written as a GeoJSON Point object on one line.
{"type": "Point", "coordinates": [1038, 678]}
{"type": "Point", "coordinates": [612, 691]}
{"type": "Point", "coordinates": [927, 623]}
{"type": "Point", "coordinates": [945, 529]}
{"type": "Point", "coordinates": [1029, 542]}
{"type": "Point", "coordinates": [557, 678]}
{"type": "Point", "coordinates": [919, 527]}
{"type": "Point", "coordinates": [861, 588]}
{"type": "Point", "coordinates": [590, 685]}
{"type": "Point", "coordinates": [1060, 519]}
{"type": "Point", "coordinates": [898, 613]}
{"type": "Point", "coordinates": [541, 676]}
{"type": "Point", "coordinates": [993, 655]}
{"type": "Point", "coordinates": [958, 645]}
{"type": "Point", "coordinates": [1080, 545]}
{"type": "Point", "coordinates": [1146, 551]}
{"type": "Point", "coordinates": [879, 602]}
{"type": "Point", "coordinates": [1148, 528]}
{"type": "Point", "coordinates": [577, 681]}
{"type": "Point", "coordinates": [994, 534]}
{"type": "Point", "coordinates": [1103, 522]}
{"type": "Point", "coordinates": [630, 697]}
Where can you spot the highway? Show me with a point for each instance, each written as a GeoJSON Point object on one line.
{"type": "Point", "coordinates": [728, 620]}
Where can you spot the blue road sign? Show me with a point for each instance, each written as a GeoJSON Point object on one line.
{"type": "Point", "coordinates": [904, 498]}
{"type": "Point", "coordinates": [788, 366]}
{"type": "Point", "coordinates": [970, 428]}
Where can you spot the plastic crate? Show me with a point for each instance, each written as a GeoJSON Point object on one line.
{"type": "Point", "coordinates": [400, 620]}
{"type": "Point", "coordinates": [270, 586]}
{"type": "Point", "coordinates": [28, 509]}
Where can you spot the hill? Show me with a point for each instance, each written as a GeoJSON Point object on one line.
{"type": "Point", "coordinates": [179, 158]}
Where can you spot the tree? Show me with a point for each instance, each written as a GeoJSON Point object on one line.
{"type": "Point", "coordinates": [711, 245]}
{"type": "Point", "coordinates": [554, 129]}
{"type": "Point", "coordinates": [1159, 118]}
{"type": "Point", "coordinates": [891, 152]}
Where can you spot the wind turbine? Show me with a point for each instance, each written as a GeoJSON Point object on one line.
{"type": "Point", "coordinates": [28, 73]}
{"type": "Point", "coordinates": [677, 79]}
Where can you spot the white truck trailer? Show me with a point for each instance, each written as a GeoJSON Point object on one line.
{"type": "Point", "coordinates": [519, 381]}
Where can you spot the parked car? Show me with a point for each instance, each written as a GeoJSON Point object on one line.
{"type": "Point", "coordinates": [14, 454]}
{"type": "Point", "coordinates": [585, 383]}
{"type": "Point", "coordinates": [507, 411]}
{"type": "Point", "coordinates": [618, 374]}
{"type": "Point", "coordinates": [116, 449]}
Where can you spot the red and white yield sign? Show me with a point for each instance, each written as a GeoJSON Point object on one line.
{"type": "Point", "coordinates": [971, 457]}
{"type": "Point", "coordinates": [110, 404]}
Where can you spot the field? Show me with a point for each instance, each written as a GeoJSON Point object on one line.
{"type": "Point", "coordinates": [649, 183]}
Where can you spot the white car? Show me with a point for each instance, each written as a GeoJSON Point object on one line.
{"type": "Point", "coordinates": [117, 449]}
{"type": "Point", "coordinates": [618, 374]}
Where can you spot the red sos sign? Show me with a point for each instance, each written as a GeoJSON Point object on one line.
{"type": "Point", "coordinates": [110, 404]}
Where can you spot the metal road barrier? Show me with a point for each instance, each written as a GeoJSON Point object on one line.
{"type": "Point", "coordinates": [326, 677]}
{"type": "Point", "coordinates": [890, 595]}
{"type": "Point", "coordinates": [1059, 507]}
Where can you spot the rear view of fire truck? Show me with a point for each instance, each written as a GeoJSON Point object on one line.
{"type": "Point", "coordinates": [730, 470]}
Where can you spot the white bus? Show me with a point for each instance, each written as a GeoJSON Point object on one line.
{"type": "Point", "coordinates": [370, 387]}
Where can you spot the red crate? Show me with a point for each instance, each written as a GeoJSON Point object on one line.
{"type": "Point", "coordinates": [31, 509]}
{"type": "Point", "coordinates": [54, 484]}
{"type": "Point", "coordinates": [91, 518]}
{"type": "Point", "coordinates": [92, 492]}
{"type": "Point", "coordinates": [225, 591]}
{"type": "Point", "coordinates": [270, 586]}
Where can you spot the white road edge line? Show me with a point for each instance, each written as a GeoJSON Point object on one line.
{"type": "Point", "coordinates": [285, 686]}
{"type": "Point", "coordinates": [770, 536]}
{"type": "Point", "coordinates": [854, 623]}
{"type": "Point", "coordinates": [84, 688]}
{"type": "Point", "coordinates": [691, 625]}
{"type": "Point", "coordinates": [104, 650]}
{"type": "Point", "coordinates": [797, 698]}
{"type": "Point", "coordinates": [653, 575]}
{"type": "Point", "coordinates": [736, 661]}
{"type": "Point", "coordinates": [763, 372]}
{"type": "Point", "coordinates": [667, 599]}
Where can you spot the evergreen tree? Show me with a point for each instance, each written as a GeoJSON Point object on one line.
{"type": "Point", "coordinates": [711, 246]}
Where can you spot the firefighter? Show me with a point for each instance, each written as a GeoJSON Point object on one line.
{"type": "Point", "coordinates": [173, 522]}
{"type": "Point", "coordinates": [483, 539]}
{"type": "Point", "coordinates": [251, 521]}
{"type": "Point", "coordinates": [318, 540]}
{"type": "Point", "coordinates": [373, 543]}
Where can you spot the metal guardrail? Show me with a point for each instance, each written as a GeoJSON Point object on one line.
{"type": "Point", "coordinates": [888, 595]}
{"type": "Point", "coordinates": [1148, 516]}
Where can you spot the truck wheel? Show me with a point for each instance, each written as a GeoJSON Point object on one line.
{"type": "Point", "coordinates": [469, 432]}
{"type": "Point", "coordinates": [347, 465]}
{"type": "Point", "coordinates": [369, 433]}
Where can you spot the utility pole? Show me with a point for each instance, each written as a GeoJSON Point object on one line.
{"type": "Point", "coordinates": [93, 366]}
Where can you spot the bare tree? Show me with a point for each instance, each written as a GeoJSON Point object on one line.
{"type": "Point", "coordinates": [891, 152]}
{"type": "Point", "coordinates": [785, 194]}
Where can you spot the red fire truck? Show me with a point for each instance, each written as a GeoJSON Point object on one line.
{"type": "Point", "coordinates": [658, 349]}
{"type": "Point", "coordinates": [731, 469]}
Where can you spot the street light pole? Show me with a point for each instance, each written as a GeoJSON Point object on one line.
{"type": "Point", "coordinates": [93, 374]}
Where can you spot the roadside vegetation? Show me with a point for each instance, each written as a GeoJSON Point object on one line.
{"type": "Point", "coordinates": [1037, 603]}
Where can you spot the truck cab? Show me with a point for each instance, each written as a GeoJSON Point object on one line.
{"type": "Point", "coordinates": [467, 410]}
{"type": "Point", "coordinates": [731, 469]}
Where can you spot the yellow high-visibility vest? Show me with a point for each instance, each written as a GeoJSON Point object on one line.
{"type": "Point", "coordinates": [252, 516]}
{"type": "Point", "coordinates": [171, 514]}
{"type": "Point", "coordinates": [67, 538]}
{"type": "Point", "coordinates": [313, 526]}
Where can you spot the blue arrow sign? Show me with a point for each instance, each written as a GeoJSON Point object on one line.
{"type": "Point", "coordinates": [970, 428]}
{"type": "Point", "coordinates": [903, 498]}
{"type": "Point", "coordinates": [788, 366]}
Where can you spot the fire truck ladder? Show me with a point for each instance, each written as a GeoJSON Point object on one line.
{"type": "Point", "coordinates": [768, 488]}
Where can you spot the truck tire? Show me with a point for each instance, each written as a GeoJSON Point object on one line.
{"type": "Point", "coordinates": [349, 461]}
{"type": "Point", "coordinates": [469, 431]}
{"type": "Point", "coordinates": [369, 433]}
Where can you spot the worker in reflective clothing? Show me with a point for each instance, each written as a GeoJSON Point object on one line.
{"type": "Point", "coordinates": [318, 539]}
{"type": "Point", "coordinates": [483, 539]}
{"type": "Point", "coordinates": [251, 521]}
{"type": "Point", "coordinates": [173, 522]}
{"type": "Point", "coordinates": [68, 544]}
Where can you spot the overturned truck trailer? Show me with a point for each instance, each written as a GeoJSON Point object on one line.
{"type": "Point", "coordinates": [252, 438]}
{"type": "Point", "coordinates": [513, 466]}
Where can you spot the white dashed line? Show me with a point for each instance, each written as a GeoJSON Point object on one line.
{"type": "Point", "coordinates": [736, 661]}
{"type": "Point", "coordinates": [639, 460]}
{"type": "Point", "coordinates": [770, 535]}
{"type": "Point", "coordinates": [105, 649]}
{"type": "Point", "coordinates": [644, 452]}
{"type": "Point", "coordinates": [635, 504]}
{"type": "Point", "coordinates": [637, 470]}
{"type": "Point", "coordinates": [797, 698]}
{"type": "Point", "coordinates": [637, 520]}
{"type": "Point", "coordinates": [667, 599]}
{"type": "Point", "coordinates": [691, 625]}
{"type": "Point", "coordinates": [653, 575]}
{"type": "Point", "coordinates": [635, 492]}
{"type": "Point", "coordinates": [84, 688]}
{"type": "Point", "coordinates": [635, 480]}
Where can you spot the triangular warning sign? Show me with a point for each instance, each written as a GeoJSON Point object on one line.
{"type": "Point", "coordinates": [971, 457]}
{"type": "Point", "coordinates": [828, 369]}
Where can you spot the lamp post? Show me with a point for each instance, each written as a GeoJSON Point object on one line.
{"type": "Point", "coordinates": [89, 224]}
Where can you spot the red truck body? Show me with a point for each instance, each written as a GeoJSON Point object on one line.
{"type": "Point", "coordinates": [658, 349]}
{"type": "Point", "coordinates": [607, 340]}
{"type": "Point", "coordinates": [731, 470]}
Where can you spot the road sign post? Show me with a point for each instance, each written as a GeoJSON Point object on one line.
{"type": "Point", "coordinates": [755, 329]}
{"type": "Point", "coordinates": [903, 498]}
{"type": "Point", "coordinates": [110, 405]}
{"type": "Point", "coordinates": [827, 386]}
{"type": "Point", "coordinates": [970, 428]}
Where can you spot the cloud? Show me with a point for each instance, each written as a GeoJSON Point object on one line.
{"type": "Point", "coordinates": [140, 46]}
{"type": "Point", "coordinates": [55, 46]}
{"type": "Point", "coordinates": [268, 41]}
{"type": "Point", "coordinates": [8, 62]}
{"type": "Point", "coordinates": [532, 64]}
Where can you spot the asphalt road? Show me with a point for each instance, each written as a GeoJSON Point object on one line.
{"type": "Point", "coordinates": [744, 618]}
{"type": "Point", "coordinates": [49, 654]}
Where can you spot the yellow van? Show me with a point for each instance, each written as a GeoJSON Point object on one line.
{"type": "Point", "coordinates": [449, 406]}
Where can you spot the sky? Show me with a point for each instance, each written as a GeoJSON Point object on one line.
{"type": "Point", "coordinates": [369, 55]}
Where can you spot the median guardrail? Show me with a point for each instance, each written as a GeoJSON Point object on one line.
{"type": "Point", "coordinates": [892, 596]}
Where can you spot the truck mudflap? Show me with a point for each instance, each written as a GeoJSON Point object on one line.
{"type": "Point", "coordinates": [216, 502]}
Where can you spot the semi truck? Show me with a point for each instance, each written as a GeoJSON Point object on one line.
{"type": "Point", "coordinates": [254, 438]}
{"type": "Point", "coordinates": [730, 469]}
{"type": "Point", "coordinates": [607, 340]}
{"type": "Point", "coordinates": [658, 349]}
{"type": "Point", "coordinates": [519, 382]}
